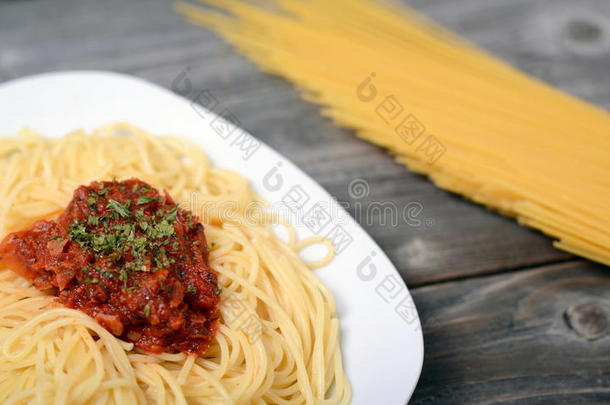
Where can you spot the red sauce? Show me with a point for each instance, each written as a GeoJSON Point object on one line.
{"type": "Point", "coordinates": [128, 257]}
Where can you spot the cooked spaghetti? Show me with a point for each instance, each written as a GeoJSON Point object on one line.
{"type": "Point", "coordinates": [473, 124]}
{"type": "Point", "coordinates": [278, 333]}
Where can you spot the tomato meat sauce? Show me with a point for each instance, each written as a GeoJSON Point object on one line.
{"type": "Point", "coordinates": [130, 258]}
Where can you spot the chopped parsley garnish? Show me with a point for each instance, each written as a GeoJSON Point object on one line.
{"type": "Point", "coordinates": [121, 209]}
{"type": "Point", "coordinates": [172, 214]}
{"type": "Point", "coordinates": [164, 229]}
{"type": "Point", "coordinates": [92, 220]}
{"type": "Point", "coordinates": [99, 243]}
{"type": "Point", "coordinates": [147, 310]}
{"type": "Point", "coordinates": [144, 199]}
{"type": "Point", "coordinates": [78, 233]}
{"type": "Point", "coordinates": [139, 244]}
{"type": "Point", "coordinates": [91, 201]}
{"type": "Point", "coordinates": [131, 240]}
{"type": "Point", "coordinates": [218, 291]}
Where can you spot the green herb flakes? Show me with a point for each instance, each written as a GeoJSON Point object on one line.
{"type": "Point", "coordinates": [144, 199]}
{"type": "Point", "coordinates": [120, 209]}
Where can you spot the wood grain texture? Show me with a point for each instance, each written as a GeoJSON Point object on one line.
{"type": "Point", "coordinates": [489, 339]}
{"type": "Point", "coordinates": [505, 340]}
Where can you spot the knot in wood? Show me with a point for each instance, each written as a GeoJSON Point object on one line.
{"type": "Point", "coordinates": [588, 320]}
{"type": "Point", "coordinates": [584, 31]}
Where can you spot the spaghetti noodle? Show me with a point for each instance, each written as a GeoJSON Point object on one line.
{"type": "Point", "coordinates": [473, 124]}
{"type": "Point", "coordinates": [278, 339]}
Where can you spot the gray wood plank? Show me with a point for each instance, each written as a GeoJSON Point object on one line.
{"type": "Point", "coordinates": [454, 238]}
{"type": "Point", "coordinates": [505, 339]}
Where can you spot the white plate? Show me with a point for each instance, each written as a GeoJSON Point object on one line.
{"type": "Point", "coordinates": [381, 335]}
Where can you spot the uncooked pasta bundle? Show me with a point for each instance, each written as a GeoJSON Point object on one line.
{"type": "Point", "coordinates": [473, 124]}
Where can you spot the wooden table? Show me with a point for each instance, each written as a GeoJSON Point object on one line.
{"type": "Point", "coordinates": [494, 297]}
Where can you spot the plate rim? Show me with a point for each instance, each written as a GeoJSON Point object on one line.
{"type": "Point", "coordinates": [91, 74]}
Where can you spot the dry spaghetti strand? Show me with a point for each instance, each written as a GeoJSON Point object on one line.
{"type": "Point", "coordinates": [475, 125]}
